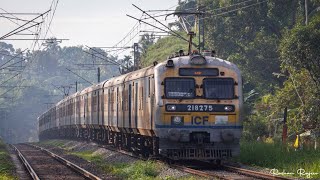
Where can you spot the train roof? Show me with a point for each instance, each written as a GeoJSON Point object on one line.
{"type": "Point", "coordinates": [182, 61]}
{"type": "Point", "coordinates": [129, 76]}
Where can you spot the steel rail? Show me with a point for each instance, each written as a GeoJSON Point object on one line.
{"type": "Point", "coordinates": [32, 173]}
{"type": "Point", "coordinates": [252, 173]}
{"type": "Point", "coordinates": [198, 172]}
{"type": "Point", "coordinates": [73, 166]}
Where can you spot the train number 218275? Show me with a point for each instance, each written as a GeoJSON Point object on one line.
{"type": "Point", "coordinates": [204, 108]}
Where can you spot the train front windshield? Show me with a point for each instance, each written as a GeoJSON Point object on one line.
{"type": "Point", "coordinates": [218, 88]}
{"type": "Point", "coordinates": [180, 88]}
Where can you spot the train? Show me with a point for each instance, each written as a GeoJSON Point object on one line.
{"type": "Point", "coordinates": [188, 107]}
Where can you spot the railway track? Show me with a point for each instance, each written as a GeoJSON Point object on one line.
{"type": "Point", "coordinates": [43, 164]}
{"type": "Point", "coordinates": [208, 170]}
{"type": "Point", "coordinates": [255, 173]}
{"type": "Point", "coordinates": [226, 172]}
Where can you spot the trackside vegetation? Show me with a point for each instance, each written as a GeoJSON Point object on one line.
{"type": "Point", "coordinates": [136, 170]}
{"type": "Point", "coordinates": [6, 166]}
{"type": "Point", "coordinates": [276, 157]}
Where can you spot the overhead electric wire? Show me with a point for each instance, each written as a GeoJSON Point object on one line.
{"type": "Point", "coordinates": [102, 58]}
{"type": "Point", "coordinates": [19, 19]}
{"type": "Point", "coordinates": [28, 39]}
{"type": "Point", "coordinates": [37, 38]}
{"type": "Point", "coordinates": [212, 15]}
{"type": "Point", "coordinates": [57, 87]}
{"type": "Point", "coordinates": [54, 11]}
{"type": "Point", "coordinates": [4, 54]}
{"type": "Point", "coordinates": [12, 14]}
{"type": "Point", "coordinates": [156, 16]}
{"type": "Point", "coordinates": [12, 58]}
{"type": "Point", "coordinates": [109, 47]}
{"type": "Point", "coordinates": [119, 49]}
{"type": "Point", "coordinates": [14, 86]}
{"type": "Point", "coordinates": [154, 26]}
{"type": "Point", "coordinates": [13, 31]}
{"type": "Point", "coordinates": [7, 91]}
{"type": "Point", "coordinates": [116, 63]}
{"type": "Point", "coordinates": [21, 30]}
{"type": "Point", "coordinates": [231, 5]}
{"type": "Point", "coordinates": [132, 29]}
{"type": "Point", "coordinates": [19, 13]}
{"type": "Point", "coordinates": [135, 27]}
{"type": "Point", "coordinates": [25, 34]}
{"type": "Point", "coordinates": [160, 23]}
{"type": "Point", "coordinates": [79, 76]}
{"type": "Point", "coordinates": [9, 79]}
{"type": "Point", "coordinates": [11, 89]}
{"type": "Point", "coordinates": [234, 10]}
{"type": "Point", "coordinates": [11, 65]}
{"type": "Point", "coordinates": [38, 35]}
{"type": "Point", "coordinates": [168, 10]}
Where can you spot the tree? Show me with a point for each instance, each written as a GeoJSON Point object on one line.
{"type": "Point", "coordinates": [300, 49]}
{"type": "Point", "coordinates": [127, 65]}
{"type": "Point", "coordinates": [185, 6]}
{"type": "Point", "coordinates": [145, 42]}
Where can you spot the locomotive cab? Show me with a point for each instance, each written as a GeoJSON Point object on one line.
{"type": "Point", "coordinates": [198, 100]}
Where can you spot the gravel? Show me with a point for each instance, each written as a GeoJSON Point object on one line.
{"type": "Point", "coordinates": [107, 155]}
{"type": "Point", "coordinates": [170, 172]}
{"type": "Point", "coordinates": [89, 166]}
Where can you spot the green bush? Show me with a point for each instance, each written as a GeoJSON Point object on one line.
{"type": "Point", "coordinates": [278, 156]}
{"type": "Point", "coordinates": [6, 166]}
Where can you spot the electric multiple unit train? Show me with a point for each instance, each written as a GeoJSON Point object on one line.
{"type": "Point", "coordinates": [187, 107]}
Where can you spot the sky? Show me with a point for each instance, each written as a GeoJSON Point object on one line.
{"type": "Point", "coordinates": [93, 23]}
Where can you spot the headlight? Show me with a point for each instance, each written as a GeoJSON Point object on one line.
{"type": "Point", "coordinates": [176, 120]}
{"type": "Point", "coordinates": [197, 60]}
{"type": "Point", "coordinates": [171, 107]}
{"type": "Point", "coordinates": [228, 108]}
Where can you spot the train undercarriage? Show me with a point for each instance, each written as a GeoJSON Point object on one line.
{"type": "Point", "coordinates": [138, 144]}
{"type": "Point", "coordinates": [146, 146]}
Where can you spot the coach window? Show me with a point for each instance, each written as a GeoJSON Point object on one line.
{"type": "Point", "coordinates": [118, 105]}
{"type": "Point", "coordinates": [181, 88]}
{"type": "Point", "coordinates": [149, 81]}
{"type": "Point", "coordinates": [141, 99]}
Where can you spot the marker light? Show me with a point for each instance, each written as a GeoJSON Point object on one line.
{"type": "Point", "coordinates": [228, 108]}
{"type": "Point", "coordinates": [171, 107]}
{"type": "Point", "coordinates": [170, 63]}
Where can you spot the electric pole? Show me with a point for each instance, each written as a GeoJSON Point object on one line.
{"type": "Point", "coordinates": [285, 127]}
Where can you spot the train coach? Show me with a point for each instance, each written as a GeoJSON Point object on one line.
{"type": "Point", "coordinates": [187, 107]}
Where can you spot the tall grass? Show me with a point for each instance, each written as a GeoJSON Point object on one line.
{"type": "Point", "coordinates": [57, 143]}
{"type": "Point", "coordinates": [135, 170]}
{"type": "Point", "coordinates": [281, 157]}
{"type": "Point", "coordinates": [6, 166]}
